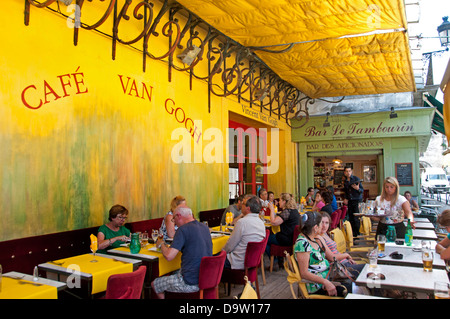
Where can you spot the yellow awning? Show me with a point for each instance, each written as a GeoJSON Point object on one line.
{"type": "Point", "coordinates": [332, 54]}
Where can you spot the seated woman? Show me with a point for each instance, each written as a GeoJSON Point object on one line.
{"type": "Point", "coordinates": [327, 199]}
{"type": "Point", "coordinates": [318, 202]}
{"type": "Point", "coordinates": [344, 258]}
{"type": "Point", "coordinates": [113, 234]}
{"type": "Point", "coordinates": [287, 219]}
{"type": "Point", "coordinates": [313, 257]}
{"type": "Point", "coordinates": [443, 247]}
{"type": "Point", "coordinates": [412, 202]}
{"type": "Point", "coordinates": [396, 207]}
{"type": "Point", "coordinates": [334, 204]}
{"type": "Point", "coordinates": [168, 227]}
{"type": "Point", "coordinates": [310, 196]}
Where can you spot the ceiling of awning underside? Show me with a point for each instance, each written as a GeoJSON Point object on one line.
{"type": "Point", "coordinates": [339, 47]}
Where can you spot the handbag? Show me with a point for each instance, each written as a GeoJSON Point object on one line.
{"type": "Point", "coordinates": [339, 272]}
{"type": "Point", "coordinates": [248, 292]}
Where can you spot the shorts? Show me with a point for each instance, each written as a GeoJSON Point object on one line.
{"type": "Point", "coordinates": [173, 283]}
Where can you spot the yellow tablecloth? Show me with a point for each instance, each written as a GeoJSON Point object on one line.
{"type": "Point", "coordinates": [100, 270]}
{"type": "Point", "coordinates": [219, 243]}
{"type": "Point", "coordinates": [275, 229]}
{"type": "Point", "coordinates": [23, 289]}
{"type": "Point", "coordinates": [166, 266]}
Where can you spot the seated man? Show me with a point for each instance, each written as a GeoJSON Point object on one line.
{"type": "Point", "coordinates": [234, 208]}
{"type": "Point", "coordinates": [250, 228]}
{"type": "Point", "coordinates": [193, 239]}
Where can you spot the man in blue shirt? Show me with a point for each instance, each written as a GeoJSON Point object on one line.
{"type": "Point", "coordinates": [193, 239]}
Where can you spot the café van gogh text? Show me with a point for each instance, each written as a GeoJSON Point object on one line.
{"type": "Point", "coordinates": [356, 129]}
{"type": "Point", "coordinates": [45, 92]}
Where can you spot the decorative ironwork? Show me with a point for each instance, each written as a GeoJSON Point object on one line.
{"type": "Point", "coordinates": [232, 69]}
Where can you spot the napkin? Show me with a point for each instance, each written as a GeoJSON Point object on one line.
{"type": "Point", "coordinates": [94, 244]}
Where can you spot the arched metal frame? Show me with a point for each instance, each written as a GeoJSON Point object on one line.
{"type": "Point", "coordinates": [232, 68]}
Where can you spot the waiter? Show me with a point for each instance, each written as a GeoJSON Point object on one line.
{"type": "Point", "coordinates": [353, 195]}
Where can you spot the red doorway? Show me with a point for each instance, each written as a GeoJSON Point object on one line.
{"type": "Point", "coordinates": [247, 158]}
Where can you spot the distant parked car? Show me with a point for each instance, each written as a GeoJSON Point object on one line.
{"type": "Point", "coordinates": [435, 179]}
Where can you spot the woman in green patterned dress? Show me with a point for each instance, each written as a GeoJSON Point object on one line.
{"type": "Point", "coordinates": [311, 254]}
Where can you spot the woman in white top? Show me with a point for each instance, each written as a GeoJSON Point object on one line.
{"type": "Point", "coordinates": [395, 206]}
{"type": "Point", "coordinates": [168, 227]}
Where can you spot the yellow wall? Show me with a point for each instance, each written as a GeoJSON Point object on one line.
{"type": "Point", "coordinates": [98, 138]}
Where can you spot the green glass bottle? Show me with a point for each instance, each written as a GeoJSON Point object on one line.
{"type": "Point", "coordinates": [408, 234]}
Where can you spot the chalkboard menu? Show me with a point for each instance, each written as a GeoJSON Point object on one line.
{"type": "Point", "coordinates": [404, 174]}
{"type": "Point", "coordinates": [338, 174]}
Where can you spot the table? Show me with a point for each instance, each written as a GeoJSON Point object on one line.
{"type": "Point", "coordinates": [413, 279]}
{"type": "Point", "coordinates": [275, 229]}
{"type": "Point", "coordinates": [16, 285]}
{"type": "Point", "coordinates": [411, 258]}
{"type": "Point", "coordinates": [431, 206]}
{"type": "Point", "coordinates": [157, 265]}
{"type": "Point", "coordinates": [424, 225]}
{"type": "Point", "coordinates": [416, 243]}
{"type": "Point", "coordinates": [85, 278]}
{"type": "Point", "coordinates": [424, 234]}
{"type": "Point", "coordinates": [426, 199]}
{"type": "Point", "coordinates": [150, 253]}
{"type": "Point", "coordinates": [357, 296]}
{"type": "Point", "coordinates": [421, 219]}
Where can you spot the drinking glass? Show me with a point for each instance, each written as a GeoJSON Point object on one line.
{"type": "Point", "coordinates": [381, 239]}
{"type": "Point", "coordinates": [426, 244]}
{"type": "Point", "coordinates": [93, 252]}
{"type": "Point", "coordinates": [441, 290]}
{"type": "Point", "coordinates": [154, 235]}
{"type": "Point", "coordinates": [373, 258]}
{"type": "Point", "coordinates": [144, 239]}
{"type": "Point", "coordinates": [427, 259]}
{"type": "Point", "coordinates": [362, 207]}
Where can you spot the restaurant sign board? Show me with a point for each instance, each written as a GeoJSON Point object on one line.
{"type": "Point", "coordinates": [366, 125]}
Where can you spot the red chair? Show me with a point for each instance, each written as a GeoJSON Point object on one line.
{"type": "Point", "coordinates": [266, 211]}
{"type": "Point", "coordinates": [210, 272]}
{"type": "Point", "coordinates": [252, 261]}
{"type": "Point", "coordinates": [278, 251]}
{"type": "Point", "coordinates": [126, 286]}
{"type": "Point", "coordinates": [344, 213]}
{"type": "Point", "coordinates": [335, 219]}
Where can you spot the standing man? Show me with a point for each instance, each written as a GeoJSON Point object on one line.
{"type": "Point", "coordinates": [193, 239]}
{"type": "Point", "coordinates": [250, 228]}
{"type": "Point", "coordinates": [353, 195]}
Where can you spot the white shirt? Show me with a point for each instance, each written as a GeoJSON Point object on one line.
{"type": "Point", "coordinates": [250, 228]}
{"type": "Point", "coordinates": [395, 212]}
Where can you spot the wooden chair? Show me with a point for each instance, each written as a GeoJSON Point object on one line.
{"type": "Point", "coordinates": [210, 273]}
{"type": "Point", "coordinates": [294, 278]}
{"type": "Point", "coordinates": [366, 228]}
{"type": "Point", "coordinates": [341, 245]}
{"type": "Point", "coordinates": [126, 286]}
{"type": "Point", "coordinates": [279, 251]}
{"type": "Point", "coordinates": [358, 244]}
{"type": "Point", "coordinates": [335, 219]}
{"type": "Point", "coordinates": [251, 264]}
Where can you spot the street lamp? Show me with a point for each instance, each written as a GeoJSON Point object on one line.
{"type": "Point", "coordinates": [444, 32]}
